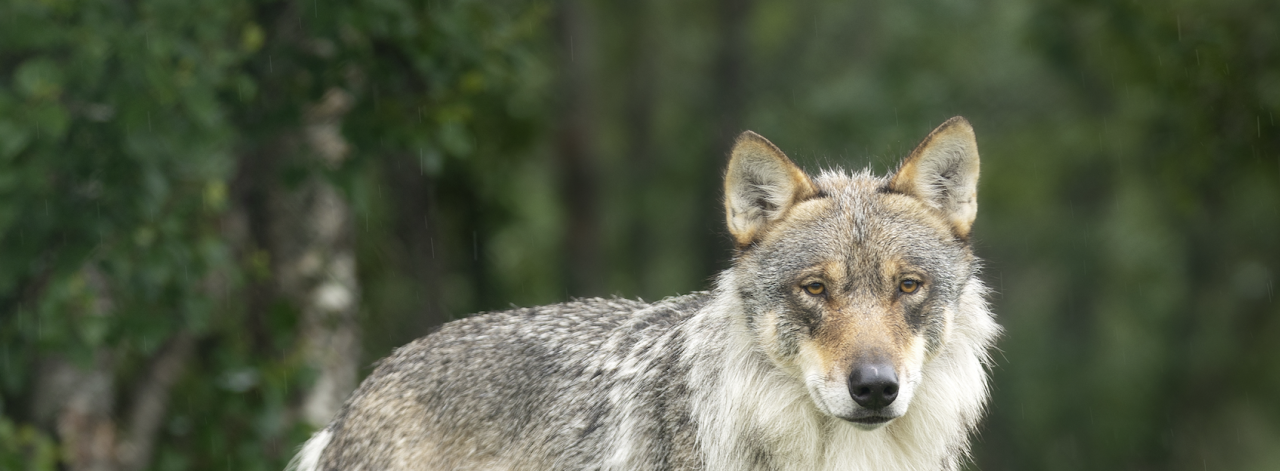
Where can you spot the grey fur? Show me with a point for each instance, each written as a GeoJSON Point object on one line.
{"type": "Point", "coordinates": [709, 380]}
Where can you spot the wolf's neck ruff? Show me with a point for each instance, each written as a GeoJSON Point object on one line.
{"type": "Point", "coordinates": [851, 332]}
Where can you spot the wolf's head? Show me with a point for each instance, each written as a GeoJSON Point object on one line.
{"type": "Point", "coordinates": [852, 283]}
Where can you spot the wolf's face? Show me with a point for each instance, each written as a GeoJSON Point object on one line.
{"type": "Point", "coordinates": [851, 282]}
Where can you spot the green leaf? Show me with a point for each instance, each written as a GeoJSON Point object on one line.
{"type": "Point", "coordinates": [13, 139]}
{"type": "Point", "coordinates": [51, 121]}
{"type": "Point", "coordinates": [38, 78]}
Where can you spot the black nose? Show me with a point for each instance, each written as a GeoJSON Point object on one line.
{"type": "Point", "coordinates": [873, 386]}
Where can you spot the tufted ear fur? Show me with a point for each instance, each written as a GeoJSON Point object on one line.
{"type": "Point", "coordinates": [943, 172]}
{"type": "Point", "coordinates": [760, 185]}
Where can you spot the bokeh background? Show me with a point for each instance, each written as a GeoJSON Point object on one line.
{"type": "Point", "coordinates": [215, 215]}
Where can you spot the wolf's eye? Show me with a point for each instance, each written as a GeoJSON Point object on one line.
{"type": "Point", "coordinates": [815, 288]}
{"type": "Point", "coordinates": [909, 286]}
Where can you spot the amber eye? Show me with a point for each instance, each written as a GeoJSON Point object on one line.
{"type": "Point", "coordinates": [815, 288]}
{"type": "Point", "coordinates": [909, 286]}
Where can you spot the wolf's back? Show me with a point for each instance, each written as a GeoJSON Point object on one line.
{"type": "Point", "coordinates": [528, 388]}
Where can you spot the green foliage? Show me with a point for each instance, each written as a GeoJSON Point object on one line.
{"type": "Point", "coordinates": [427, 79]}
{"type": "Point", "coordinates": [121, 128]}
{"type": "Point", "coordinates": [1130, 189]}
{"type": "Point", "coordinates": [23, 448]}
{"type": "Point", "coordinates": [115, 159]}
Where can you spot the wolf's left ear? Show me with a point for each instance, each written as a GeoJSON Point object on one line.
{"type": "Point", "coordinates": [943, 172]}
{"type": "Point", "coordinates": [760, 185]}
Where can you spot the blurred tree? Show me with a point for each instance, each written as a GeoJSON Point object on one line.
{"type": "Point", "coordinates": [150, 152]}
{"type": "Point", "coordinates": [1168, 164]}
{"type": "Point", "coordinates": [577, 163]}
{"type": "Point", "coordinates": [114, 147]}
{"type": "Point", "coordinates": [164, 166]}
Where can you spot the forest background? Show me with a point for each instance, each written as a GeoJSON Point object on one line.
{"type": "Point", "coordinates": [216, 214]}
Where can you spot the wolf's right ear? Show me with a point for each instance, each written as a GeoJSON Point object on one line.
{"type": "Point", "coordinates": [760, 185]}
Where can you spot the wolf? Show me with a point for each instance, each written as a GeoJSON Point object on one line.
{"type": "Point", "coordinates": [850, 332]}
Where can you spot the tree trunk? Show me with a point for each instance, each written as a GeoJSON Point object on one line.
{"type": "Point", "coordinates": [576, 160]}
{"type": "Point", "coordinates": [638, 116]}
{"type": "Point", "coordinates": [150, 402]}
{"type": "Point", "coordinates": [313, 238]}
{"type": "Point", "coordinates": [79, 400]}
{"type": "Point", "coordinates": [416, 225]}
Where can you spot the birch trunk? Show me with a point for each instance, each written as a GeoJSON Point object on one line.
{"type": "Point", "coordinates": [314, 241]}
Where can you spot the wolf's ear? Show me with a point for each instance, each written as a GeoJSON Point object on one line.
{"type": "Point", "coordinates": [943, 172]}
{"type": "Point", "coordinates": [760, 185]}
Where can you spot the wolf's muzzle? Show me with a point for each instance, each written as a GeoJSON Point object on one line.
{"type": "Point", "coordinates": [873, 386]}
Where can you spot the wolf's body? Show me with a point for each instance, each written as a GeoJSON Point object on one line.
{"type": "Point", "coordinates": [851, 298]}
